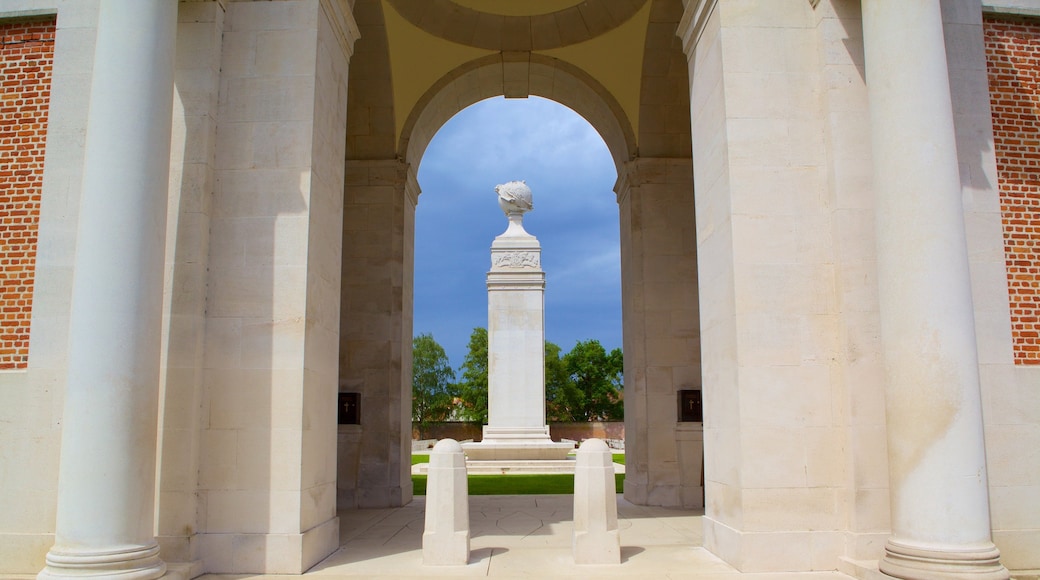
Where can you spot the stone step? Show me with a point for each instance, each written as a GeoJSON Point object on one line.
{"type": "Point", "coordinates": [519, 466]}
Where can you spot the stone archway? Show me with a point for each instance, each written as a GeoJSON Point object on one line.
{"type": "Point", "coordinates": [655, 196]}
{"type": "Point", "coordinates": [546, 77]}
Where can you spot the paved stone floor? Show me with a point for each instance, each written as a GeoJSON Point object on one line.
{"type": "Point", "coordinates": [523, 537]}
{"type": "Point", "coordinates": [526, 537]}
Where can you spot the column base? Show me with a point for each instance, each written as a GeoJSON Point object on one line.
{"type": "Point", "coordinates": [926, 563]}
{"type": "Point", "coordinates": [503, 443]}
{"type": "Point", "coordinates": [136, 563]}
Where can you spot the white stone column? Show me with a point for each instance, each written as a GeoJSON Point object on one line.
{"type": "Point", "coordinates": [516, 426]}
{"type": "Point", "coordinates": [106, 489]}
{"type": "Point", "coordinates": [937, 464]}
{"type": "Point", "coordinates": [661, 318]}
{"type": "Point", "coordinates": [376, 329]}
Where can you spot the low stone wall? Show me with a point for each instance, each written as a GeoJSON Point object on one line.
{"type": "Point", "coordinates": [613, 430]}
{"type": "Point", "coordinates": [466, 431]}
{"type": "Point", "coordinates": [457, 430]}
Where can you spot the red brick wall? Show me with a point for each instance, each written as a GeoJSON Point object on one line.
{"type": "Point", "coordinates": [26, 57]}
{"type": "Point", "coordinates": [1013, 61]}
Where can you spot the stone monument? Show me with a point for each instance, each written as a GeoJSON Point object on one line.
{"type": "Point", "coordinates": [516, 426]}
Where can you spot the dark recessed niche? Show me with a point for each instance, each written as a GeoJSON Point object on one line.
{"type": "Point", "coordinates": [350, 408]}
{"type": "Point", "coordinates": [690, 409]}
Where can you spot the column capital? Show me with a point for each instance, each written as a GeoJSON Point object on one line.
{"type": "Point", "coordinates": [646, 170]}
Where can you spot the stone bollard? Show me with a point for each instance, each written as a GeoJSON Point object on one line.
{"type": "Point", "coordinates": [596, 536]}
{"type": "Point", "coordinates": [446, 535]}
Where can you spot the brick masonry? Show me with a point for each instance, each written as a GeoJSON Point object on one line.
{"type": "Point", "coordinates": [1013, 61]}
{"type": "Point", "coordinates": [26, 58]}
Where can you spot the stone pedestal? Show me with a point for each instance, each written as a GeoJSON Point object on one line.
{"type": "Point", "coordinates": [689, 444]}
{"type": "Point", "coordinates": [516, 426]}
{"type": "Point", "coordinates": [446, 535]}
{"type": "Point", "coordinates": [597, 539]}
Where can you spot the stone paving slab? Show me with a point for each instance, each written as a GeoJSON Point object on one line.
{"type": "Point", "coordinates": [525, 537]}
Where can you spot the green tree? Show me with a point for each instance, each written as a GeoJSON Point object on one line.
{"type": "Point", "coordinates": [432, 378]}
{"type": "Point", "coordinates": [561, 396]}
{"type": "Point", "coordinates": [473, 388]}
{"type": "Point", "coordinates": [597, 376]}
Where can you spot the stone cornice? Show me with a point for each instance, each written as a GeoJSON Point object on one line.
{"type": "Point", "coordinates": [411, 185]}
{"type": "Point", "coordinates": [1011, 7]}
{"type": "Point", "coordinates": [343, 24]}
{"type": "Point", "coordinates": [691, 25]}
{"type": "Point", "coordinates": [642, 170]}
{"type": "Point", "coordinates": [339, 14]}
{"type": "Point", "coordinates": [401, 176]}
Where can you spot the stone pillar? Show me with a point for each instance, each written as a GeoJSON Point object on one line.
{"type": "Point", "coordinates": [446, 535]}
{"type": "Point", "coordinates": [596, 539]}
{"type": "Point", "coordinates": [516, 426]}
{"type": "Point", "coordinates": [660, 315]}
{"type": "Point", "coordinates": [106, 489]}
{"type": "Point", "coordinates": [375, 355]}
{"type": "Point", "coordinates": [937, 463]}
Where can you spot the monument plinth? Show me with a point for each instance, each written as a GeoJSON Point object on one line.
{"type": "Point", "coordinates": [516, 426]}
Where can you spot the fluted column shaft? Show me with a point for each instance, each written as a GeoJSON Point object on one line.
{"type": "Point", "coordinates": [106, 485]}
{"type": "Point", "coordinates": [939, 490]}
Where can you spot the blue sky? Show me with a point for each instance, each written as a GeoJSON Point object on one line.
{"type": "Point", "coordinates": [575, 217]}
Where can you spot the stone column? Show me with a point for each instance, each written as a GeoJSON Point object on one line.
{"type": "Point", "coordinates": [937, 463]}
{"type": "Point", "coordinates": [106, 487]}
{"type": "Point", "coordinates": [376, 330]}
{"type": "Point", "coordinates": [516, 426]}
{"type": "Point", "coordinates": [660, 315]}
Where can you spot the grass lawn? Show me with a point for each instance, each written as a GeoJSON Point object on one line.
{"type": "Point", "coordinates": [517, 484]}
{"type": "Point", "coordinates": [520, 484]}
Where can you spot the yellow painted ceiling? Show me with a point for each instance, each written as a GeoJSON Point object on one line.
{"type": "Point", "coordinates": [615, 59]}
{"type": "Point", "coordinates": [518, 7]}
{"type": "Point", "coordinates": [419, 59]}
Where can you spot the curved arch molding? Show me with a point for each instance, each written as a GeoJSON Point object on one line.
{"type": "Point", "coordinates": [464, 25]}
{"type": "Point", "coordinates": [550, 78]}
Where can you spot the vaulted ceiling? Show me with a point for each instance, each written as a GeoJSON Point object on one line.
{"type": "Point", "coordinates": [625, 51]}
